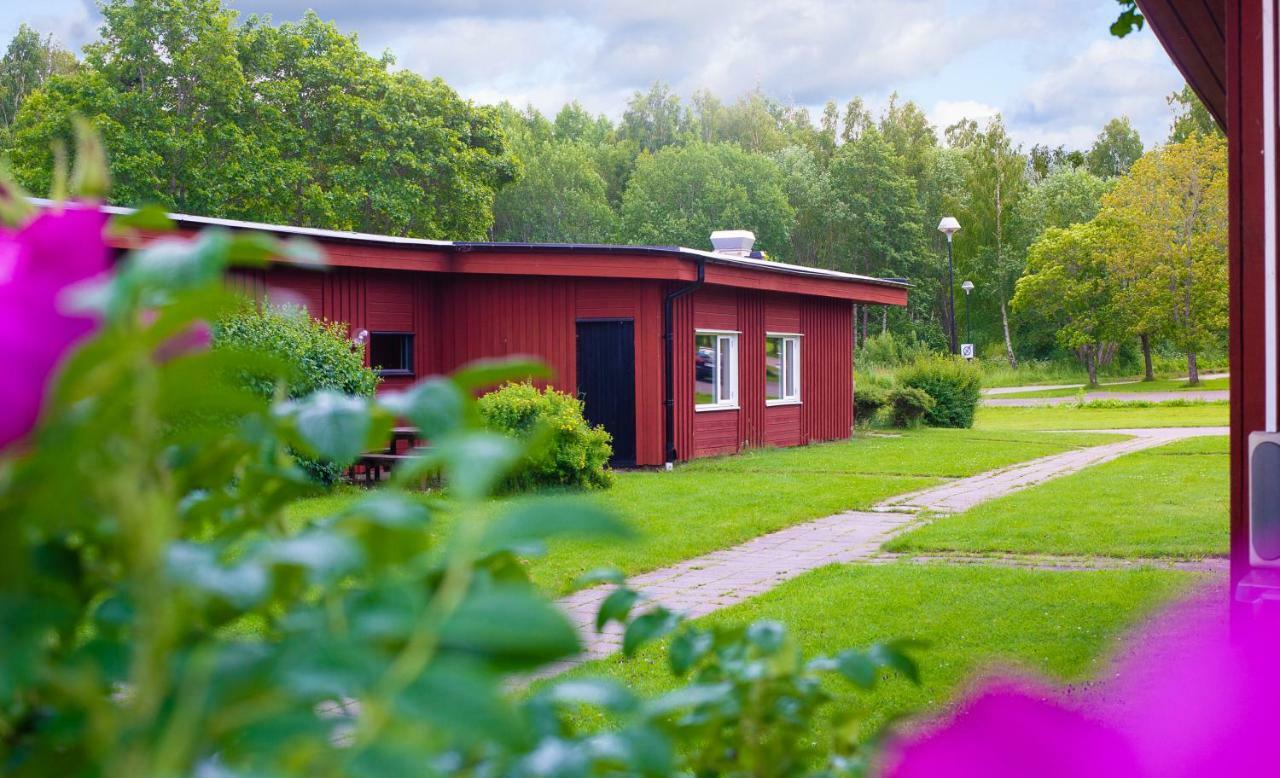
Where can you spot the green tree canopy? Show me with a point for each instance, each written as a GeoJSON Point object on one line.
{"type": "Point", "coordinates": [27, 64]}
{"type": "Point", "coordinates": [683, 193]}
{"type": "Point", "coordinates": [1191, 116]}
{"type": "Point", "coordinates": [1117, 147]}
{"type": "Point", "coordinates": [292, 124]}
{"type": "Point", "coordinates": [882, 223]}
{"type": "Point", "coordinates": [1172, 209]}
{"type": "Point", "coordinates": [560, 198]}
{"type": "Point", "coordinates": [1068, 281]}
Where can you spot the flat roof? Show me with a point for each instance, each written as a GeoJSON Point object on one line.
{"type": "Point", "coordinates": [765, 265]}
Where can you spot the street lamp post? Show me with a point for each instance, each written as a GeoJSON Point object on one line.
{"type": "Point", "coordinates": [967, 286]}
{"type": "Point", "coordinates": [949, 226]}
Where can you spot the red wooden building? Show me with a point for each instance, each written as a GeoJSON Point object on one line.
{"type": "Point", "coordinates": [679, 353]}
{"type": "Point", "coordinates": [1229, 52]}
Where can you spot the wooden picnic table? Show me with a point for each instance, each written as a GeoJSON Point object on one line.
{"type": "Point", "coordinates": [376, 463]}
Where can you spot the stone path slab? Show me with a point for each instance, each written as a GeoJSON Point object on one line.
{"type": "Point", "coordinates": [998, 390]}
{"type": "Point", "coordinates": [964, 493]}
{"type": "Point", "coordinates": [1189, 395]}
{"type": "Point", "coordinates": [726, 577]}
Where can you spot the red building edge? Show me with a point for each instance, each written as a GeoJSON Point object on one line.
{"type": "Point", "coordinates": [1227, 51]}
{"type": "Point", "coordinates": [580, 308]}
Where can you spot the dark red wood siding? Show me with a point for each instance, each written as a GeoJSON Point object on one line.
{"type": "Point", "coordinates": [826, 371]}
{"type": "Point", "coordinates": [458, 318]}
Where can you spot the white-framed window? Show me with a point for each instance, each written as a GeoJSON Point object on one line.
{"type": "Point", "coordinates": [781, 368]}
{"type": "Point", "coordinates": [715, 370]}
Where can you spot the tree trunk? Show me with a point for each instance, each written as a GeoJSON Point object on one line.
{"type": "Point", "coordinates": [884, 319]}
{"type": "Point", "coordinates": [866, 314]}
{"type": "Point", "coordinates": [1091, 365]}
{"type": "Point", "coordinates": [1193, 370]}
{"type": "Point", "coordinates": [1008, 342]}
{"type": "Point", "coordinates": [855, 327]}
{"type": "Point", "coordinates": [1150, 374]}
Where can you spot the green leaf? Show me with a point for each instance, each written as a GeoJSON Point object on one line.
{"type": "Point", "coordinates": [648, 627]}
{"type": "Point", "coordinates": [691, 696]}
{"type": "Point", "coordinates": [484, 373]}
{"type": "Point", "coordinates": [252, 249]}
{"type": "Point", "coordinates": [171, 264]}
{"type": "Point", "coordinates": [197, 567]}
{"type": "Point", "coordinates": [303, 252]}
{"type": "Point", "coordinates": [152, 218]}
{"type": "Point", "coordinates": [540, 519]}
{"type": "Point", "coordinates": [436, 406]}
{"type": "Point", "coordinates": [687, 647]}
{"type": "Point", "coordinates": [392, 510]}
{"type": "Point", "coordinates": [458, 698]}
{"type": "Point", "coordinates": [333, 425]}
{"type": "Point", "coordinates": [326, 556]}
{"type": "Point", "coordinates": [766, 636]}
{"type": "Point", "coordinates": [599, 575]}
{"type": "Point", "coordinates": [893, 655]}
{"type": "Point", "coordinates": [511, 625]}
{"type": "Point", "coordinates": [616, 607]}
{"type": "Point", "coordinates": [857, 667]}
{"type": "Point", "coordinates": [596, 692]}
{"type": "Point", "coordinates": [474, 463]}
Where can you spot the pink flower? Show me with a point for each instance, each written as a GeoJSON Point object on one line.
{"type": "Point", "coordinates": [1186, 701]}
{"type": "Point", "coordinates": [55, 250]}
{"type": "Point", "coordinates": [1009, 730]}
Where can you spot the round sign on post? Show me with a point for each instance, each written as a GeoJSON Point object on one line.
{"type": "Point", "coordinates": [966, 350]}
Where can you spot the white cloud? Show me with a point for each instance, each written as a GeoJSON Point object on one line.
{"type": "Point", "coordinates": [1069, 103]}
{"type": "Point", "coordinates": [1048, 65]}
{"type": "Point", "coordinates": [947, 112]}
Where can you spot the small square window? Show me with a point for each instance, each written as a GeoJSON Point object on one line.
{"type": "Point", "coordinates": [391, 353]}
{"type": "Point", "coordinates": [715, 370]}
{"type": "Point", "coordinates": [781, 369]}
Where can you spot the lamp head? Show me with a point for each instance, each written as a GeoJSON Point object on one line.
{"type": "Point", "coordinates": [967, 286]}
{"type": "Point", "coordinates": [948, 226]}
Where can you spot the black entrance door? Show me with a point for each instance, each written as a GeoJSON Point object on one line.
{"type": "Point", "coordinates": [607, 381]}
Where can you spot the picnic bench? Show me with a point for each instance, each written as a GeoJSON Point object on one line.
{"type": "Point", "coordinates": [374, 465]}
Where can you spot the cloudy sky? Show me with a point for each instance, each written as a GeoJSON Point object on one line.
{"type": "Point", "coordinates": [1049, 66]}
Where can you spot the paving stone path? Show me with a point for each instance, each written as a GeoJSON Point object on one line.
{"type": "Point", "coordinates": [999, 390]}
{"type": "Point", "coordinates": [722, 578]}
{"type": "Point", "coordinates": [1189, 395]}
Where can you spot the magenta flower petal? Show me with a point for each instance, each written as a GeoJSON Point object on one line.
{"type": "Point", "coordinates": [1007, 731]}
{"type": "Point", "coordinates": [57, 249]}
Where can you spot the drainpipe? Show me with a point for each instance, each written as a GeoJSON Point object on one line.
{"type": "Point", "coordinates": [668, 358]}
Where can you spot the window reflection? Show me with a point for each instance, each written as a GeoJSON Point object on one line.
{"type": "Point", "coordinates": [704, 370]}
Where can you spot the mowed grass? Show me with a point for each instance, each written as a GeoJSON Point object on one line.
{"type": "Point", "coordinates": [1169, 501]}
{"type": "Point", "coordinates": [1066, 417]}
{"type": "Point", "coordinates": [1059, 624]}
{"type": "Point", "coordinates": [1163, 385]}
{"type": "Point", "coordinates": [717, 503]}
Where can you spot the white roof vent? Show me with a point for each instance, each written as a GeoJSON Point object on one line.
{"type": "Point", "coordinates": [735, 242]}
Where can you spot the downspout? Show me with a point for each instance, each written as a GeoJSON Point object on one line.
{"type": "Point", "coordinates": [669, 358]}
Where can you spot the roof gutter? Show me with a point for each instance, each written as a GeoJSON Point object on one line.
{"type": "Point", "coordinates": [669, 358]}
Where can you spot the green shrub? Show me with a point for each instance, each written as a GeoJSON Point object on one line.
{"type": "Point", "coordinates": [314, 354]}
{"type": "Point", "coordinates": [574, 453]}
{"type": "Point", "coordinates": [954, 385]}
{"type": "Point", "coordinates": [889, 350]}
{"type": "Point", "coordinates": [867, 403]}
{"type": "Point", "coordinates": [908, 405]}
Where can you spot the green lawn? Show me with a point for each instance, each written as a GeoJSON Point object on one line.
{"type": "Point", "coordinates": [1057, 623]}
{"type": "Point", "coordinates": [1065, 417]}
{"type": "Point", "coordinates": [717, 503]}
{"type": "Point", "coordinates": [1163, 385]}
{"type": "Point", "coordinates": [1165, 502]}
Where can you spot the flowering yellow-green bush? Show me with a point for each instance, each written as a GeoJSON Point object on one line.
{"type": "Point", "coordinates": [571, 451]}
